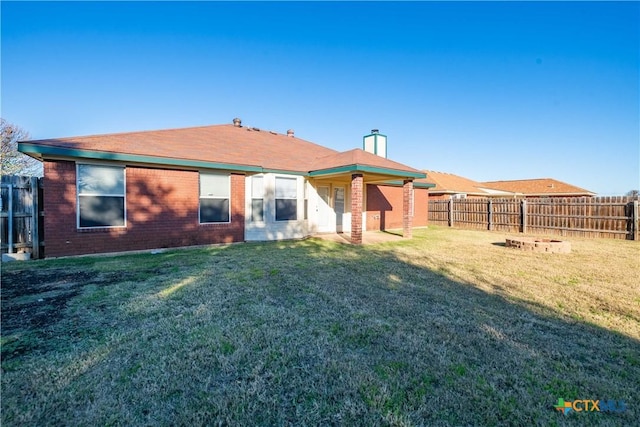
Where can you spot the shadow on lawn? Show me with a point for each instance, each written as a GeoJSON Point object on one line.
{"type": "Point", "coordinates": [340, 334]}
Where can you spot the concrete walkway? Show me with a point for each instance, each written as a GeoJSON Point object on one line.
{"type": "Point", "coordinates": [368, 237]}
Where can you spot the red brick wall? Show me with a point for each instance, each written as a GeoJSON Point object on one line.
{"type": "Point", "coordinates": [161, 209]}
{"type": "Point", "coordinates": [384, 207]}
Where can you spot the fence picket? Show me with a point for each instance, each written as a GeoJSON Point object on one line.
{"type": "Point", "coordinates": [605, 217]}
{"type": "Point", "coordinates": [20, 211]}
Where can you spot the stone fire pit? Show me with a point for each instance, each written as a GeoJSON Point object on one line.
{"type": "Point", "coordinates": [539, 245]}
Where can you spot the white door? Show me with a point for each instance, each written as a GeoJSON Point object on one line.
{"type": "Point", "coordinates": [338, 207]}
{"type": "Point", "coordinates": [325, 213]}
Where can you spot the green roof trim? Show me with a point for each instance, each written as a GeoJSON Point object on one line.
{"type": "Point", "coordinates": [415, 184]}
{"type": "Point", "coordinates": [370, 169]}
{"type": "Point", "coordinates": [29, 148]}
{"type": "Point", "coordinates": [26, 147]}
{"type": "Point", "coordinates": [284, 172]}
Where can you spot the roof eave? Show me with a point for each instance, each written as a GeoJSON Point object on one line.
{"type": "Point", "coordinates": [415, 184]}
{"type": "Point", "coordinates": [42, 150]}
{"type": "Point", "coordinates": [355, 168]}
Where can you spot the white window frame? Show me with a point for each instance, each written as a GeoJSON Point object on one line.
{"type": "Point", "coordinates": [200, 197]}
{"type": "Point", "coordinates": [252, 198]}
{"type": "Point", "coordinates": [123, 195]}
{"type": "Point", "coordinates": [276, 198]}
{"type": "Point", "coordinates": [305, 213]}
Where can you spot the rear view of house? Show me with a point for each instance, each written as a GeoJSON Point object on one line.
{"type": "Point", "coordinates": [217, 184]}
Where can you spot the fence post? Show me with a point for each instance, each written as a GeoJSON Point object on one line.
{"type": "Point", "coordinates": [35, 235]}
{"type": "Point", "coordinates": [10, 220]}
{"type": "Point", "coordinates": [489, 214]}
{"type": "Point", "coordinates": [635, 220]}
{"type": "Point", "coordinates": [523, 209]}
{"type": "Point", "coordinates": [450, 212]}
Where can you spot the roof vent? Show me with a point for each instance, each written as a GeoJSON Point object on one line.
{"type": "Point", "coordinates": [374, 131]}
{"type": "Point", "coordinates": [237, 122]}
{"type": "Point", "coordinates": [290, 133]}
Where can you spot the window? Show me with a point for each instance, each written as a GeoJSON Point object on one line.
{"type": "Point", "coordinates": [214, 198]}
{"type": "Point", "coordinates": [101, 194]}
{"type": "Point", "coordinates": [257, 199]}
{"type": "Point", "coordinates": [306, 200]}
{"type": "Point", "coordinates": [286, 199]}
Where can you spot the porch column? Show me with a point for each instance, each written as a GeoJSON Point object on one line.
{"type": "Point", "coordinates": [407, 209]}
{"type": "Point", "coordinates": [356, 208]}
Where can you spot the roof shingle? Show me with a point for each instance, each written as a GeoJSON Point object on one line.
{"type": "Point", "coordinates": [539, 186]}
{"type": "Point", "coordinates": [225, 144]}
{"type": "Point", "coordinates": [219, 144]}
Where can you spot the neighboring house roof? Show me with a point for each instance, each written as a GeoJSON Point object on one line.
{"type": "Point", "coordinates": [219, 146]}
{"type": "Point", "coordinates": [539, 187]}
{"type": "Point", "coordinates": [448, 183]}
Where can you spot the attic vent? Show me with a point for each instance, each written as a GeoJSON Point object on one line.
{"type": "Point", "coordinates": [290, 133]}
{"type": "Point", "coordinates": [237, 122]}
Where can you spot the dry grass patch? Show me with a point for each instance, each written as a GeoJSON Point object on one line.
{"type": "Point", "coordinates": [446, 329]}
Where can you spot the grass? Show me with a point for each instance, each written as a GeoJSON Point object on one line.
{"type": "Point", "coordinates": [450, 328]}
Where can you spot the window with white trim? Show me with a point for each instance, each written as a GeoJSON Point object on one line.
{"type": "Point", "coordinates": [257, 198]}
{"type": "Point", "coordinates": [215, 198]}
{"type": "Point", "coordinates": [101, 196]}
{"type": "Point", "coordinates": [286, 199]}
{"type": "Point", "coordinates": [306, 200]}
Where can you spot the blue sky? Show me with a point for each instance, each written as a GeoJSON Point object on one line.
{"type": "Point", "coordinates": [489, 91]}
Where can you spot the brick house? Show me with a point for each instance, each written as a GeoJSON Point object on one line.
{"type": "Point", "coordinates": [217, 184]}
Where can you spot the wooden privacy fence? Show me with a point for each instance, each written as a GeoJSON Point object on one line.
{"type": "Point", "coordinates": [21, 215]}
{"type": "Point", "coordinates": [608, 217]}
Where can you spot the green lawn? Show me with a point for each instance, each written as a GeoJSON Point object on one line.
{"type": "Point", "coordinates": [450, 328]}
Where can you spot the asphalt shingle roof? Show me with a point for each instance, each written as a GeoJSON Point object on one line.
{"type": "Point", "coordinates": [538, 186]}
{"type": "Point", "coordinates": [450, 183]}
{"type": "Point", "coordinates": [226, 144]}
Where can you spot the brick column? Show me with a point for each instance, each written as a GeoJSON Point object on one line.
{"type": "Point", "coordinates": [407, 215]}
{"type": "Point", "coordinates": [356, 208]}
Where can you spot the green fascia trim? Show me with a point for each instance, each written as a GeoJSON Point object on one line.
{"type": "Point", "coordinates": [284, 172]}
{"type": "Point", "coordinates": [415, 184]}
{"type": "Point", "coordinates": [100, 155]}
{"type": "Point", "coordinates": [370, 169]}
{"type": "Point", "coordinates": [374, 134]}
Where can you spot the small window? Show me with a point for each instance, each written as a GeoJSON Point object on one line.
{"type": "Point", "coordinates": [286, 199]}
{"type": "Point", "coordinates": [214, 198]}
{"type": "Point", "coordinates": [257, 199]}
{"type": "Point", "coordinates": [101, 196]}
{"type": "Point", "coordinates": [306, 200]}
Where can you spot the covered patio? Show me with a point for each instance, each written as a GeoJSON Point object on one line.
{"type": "Point", "coordinates": [368, 237]}
{"type": "Point", "coordinates": [356, 168]}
